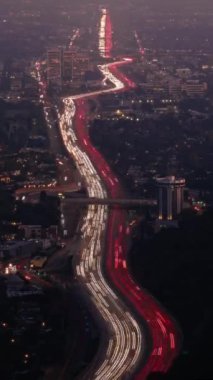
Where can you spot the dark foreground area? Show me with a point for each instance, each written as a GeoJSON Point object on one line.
{"type": "Point", "coordinates": [176, 265]}
{"type": "Point", "coordinates": [47, 335]}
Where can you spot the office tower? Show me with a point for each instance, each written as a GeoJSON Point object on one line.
{"type": "Point", "coordinates": [54, 66]}
{"type": "Point", "coordinates": [80, 66]}
{"type": "Point", "coordinates": [67, 65]}
{"type": "Point", "coordinates": [170, 197]}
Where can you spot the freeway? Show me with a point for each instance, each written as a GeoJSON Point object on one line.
{"type": "Point", "coordinates": [50, 188]}
{"type": "Point", "coordinates": [105, 31]}
{"type": "Point", "coordinates": [165, 342]}
{"type": "Point", "coordinates": [125, 339]}
{"type": "Point", "coordinates": [127, 345]}
{"type": "Point", "coordinates": [138, 41]}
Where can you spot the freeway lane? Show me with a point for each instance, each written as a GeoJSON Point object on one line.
{"type": "Point", "coordinates": [105, 31]}
{"type": "Point", "coordinates": [161, 327]}
{"type": "Point", "coordinates": [126, 344]}
{"type": "Point", "coordinates": [100, 182]}
{"type": "Point", "coordinates": [165, 339]}
{"type": "Point", "coordinates": [123, 348]}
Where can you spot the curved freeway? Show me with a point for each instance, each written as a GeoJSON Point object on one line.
{"type": "Point", "coordinates": [103, 229]}
{"type": "Point", "coordinates": [126, 343]}
{"type": "Point", "coordinates": [105, 32]}
{"type": "Point", "coordinates": [125, 339]}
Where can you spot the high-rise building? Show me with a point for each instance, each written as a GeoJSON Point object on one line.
{"type": "Point", "coordinates": [67, 65]}
{"type": "Point", "coordinates": [54, 66]}
{"type": "Point", "coordinates": [80, 66]}
{"type": "Point", "coordinates": [170, 197]}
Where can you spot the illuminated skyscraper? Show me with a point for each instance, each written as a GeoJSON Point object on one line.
{"type": "Point", "coordinates": [67, 65]}
{"type": "Point", "coordinates": [54, 66]}
{"type": "Point", "coordinates": [170, 197]}
{"type": "Point", "coordinates": [80, 66]}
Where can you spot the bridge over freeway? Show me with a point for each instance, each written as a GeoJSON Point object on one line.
{"type": "Point", "coordinates": [70, 194]}
{"type": "Point", "coordinates": [114, 201]}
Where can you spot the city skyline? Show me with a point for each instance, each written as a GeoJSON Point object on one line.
{"type": "Point", "coordinates": [106, 196]}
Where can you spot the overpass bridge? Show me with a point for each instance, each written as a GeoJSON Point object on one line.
{"type": "Point", "coordinates": [115, 201]}
{"type": "Point", "coordinates": [49, 189]}
{"type": "Point", "coordinates": [69, 192]}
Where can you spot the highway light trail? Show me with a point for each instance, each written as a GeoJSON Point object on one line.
{"type": "Point", "coordinates": [75, 35]}
{"type": "Point", "coordinates": [125, 339]}
{"type": "Point", "coordinates": [126, 345]}
{"type": "Point", "coordinates": [105, 34]}
{"type": "Point", "coordinates": [140, 47]}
